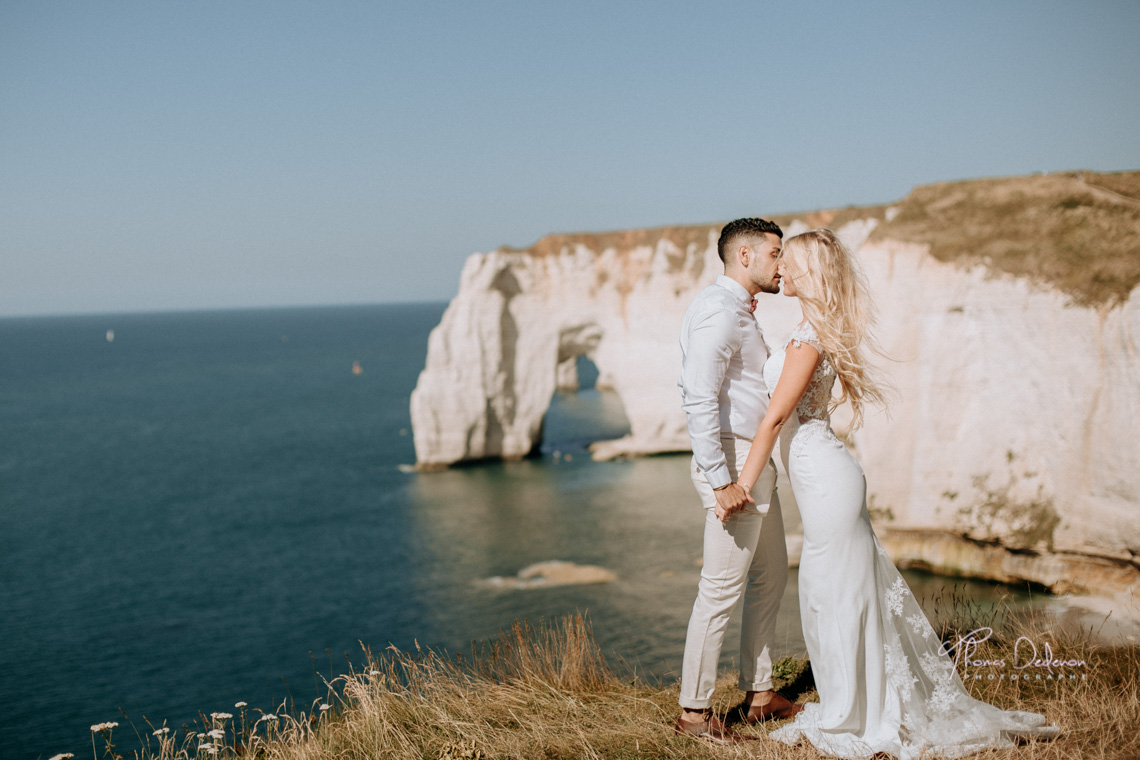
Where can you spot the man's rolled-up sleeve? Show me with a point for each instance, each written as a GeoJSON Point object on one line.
{"type": "Point", "coordinates": [710, 346]}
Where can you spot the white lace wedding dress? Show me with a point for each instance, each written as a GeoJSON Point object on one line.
{"type": "Point", "coordinates": [884, 684]}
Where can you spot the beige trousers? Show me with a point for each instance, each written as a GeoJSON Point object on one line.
{"type": "Point", "coordinates": [744, 559]}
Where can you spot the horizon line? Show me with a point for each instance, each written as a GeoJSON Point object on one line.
{"type": "Point", "coordinates": [209, 309]}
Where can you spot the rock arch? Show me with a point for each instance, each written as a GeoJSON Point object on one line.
{"type": "Point", "coordinates": [512, 333]}
{"type": "Point", "coordinates": [580, 340]}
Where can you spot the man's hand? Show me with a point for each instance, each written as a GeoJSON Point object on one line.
{"type": "Point", "coordinates": [730, 500]}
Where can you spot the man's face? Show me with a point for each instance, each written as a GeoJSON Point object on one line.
{"type": "Point", "coordinates": [763, 262]}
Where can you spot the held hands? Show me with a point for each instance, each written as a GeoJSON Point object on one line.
{"type": "Point", "coordinates": [731, 499]}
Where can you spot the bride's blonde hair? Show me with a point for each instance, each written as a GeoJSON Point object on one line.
{"type": "Point", "coordinates": [837, 302]}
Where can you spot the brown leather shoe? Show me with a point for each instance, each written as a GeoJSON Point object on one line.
{"type": "Point", "coordinates": [777, 708]}
{"type": "Point", "coordinates": [708, 728]}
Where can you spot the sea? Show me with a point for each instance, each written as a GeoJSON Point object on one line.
{"type": "Point", "coordinates": [204, 508]}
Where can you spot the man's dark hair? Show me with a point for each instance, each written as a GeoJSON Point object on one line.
{"type": "Point", "coordinates": [753, 226]}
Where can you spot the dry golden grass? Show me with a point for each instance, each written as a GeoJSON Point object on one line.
{"type": "Point", "coordinates": [1076, 231]}
{"type": "Point", "coordinates": [547, 692]}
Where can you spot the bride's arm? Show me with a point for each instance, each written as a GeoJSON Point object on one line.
{"type": "Point", "coordinates": [799, 364]}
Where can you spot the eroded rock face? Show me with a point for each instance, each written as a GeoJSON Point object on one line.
{"type": "Point", "coordinates": [1015, 418]}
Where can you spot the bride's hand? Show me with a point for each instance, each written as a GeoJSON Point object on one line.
{"type": "Point", "coordinates": [731, 500]}
{"type": "Point", "coordinates": [747, 489]}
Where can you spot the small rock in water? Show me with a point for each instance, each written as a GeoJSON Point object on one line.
{"type": "Point", "coordinates": [553, 573]}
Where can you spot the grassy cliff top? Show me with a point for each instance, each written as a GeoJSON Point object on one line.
{"type": "Point", "coordinates": [681, 235]}
{"type": "Point", "coordinates": [1078, 232]}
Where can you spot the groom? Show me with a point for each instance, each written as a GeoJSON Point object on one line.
{"type": "Point", "coordinates": [724, 398]}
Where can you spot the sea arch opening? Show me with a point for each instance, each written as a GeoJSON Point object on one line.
{"type": "Point", "coordinates": [584, 407]}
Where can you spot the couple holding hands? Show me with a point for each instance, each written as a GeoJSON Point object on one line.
{"type": "Point", "coordinates": [885, 682]}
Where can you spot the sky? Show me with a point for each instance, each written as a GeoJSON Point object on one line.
{"type": "Point", "coordinates": [201, 155]}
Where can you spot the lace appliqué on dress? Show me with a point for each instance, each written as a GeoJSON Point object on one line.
{"type": "Point", "coordinates": [920, 625]}
{"type": "Point", "coordinates": [895, 596]}
{"type": "Point", "coordinates": [898, 670]}
{"type": "Point", "coordinates": [817, 398]}
{"type": "Point", "coordinates": [940, 671]}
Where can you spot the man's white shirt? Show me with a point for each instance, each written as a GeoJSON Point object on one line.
{"type": "Point", "coordinates": [722, 380]}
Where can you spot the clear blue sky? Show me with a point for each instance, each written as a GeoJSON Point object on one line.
{"type": "Point", "coordinates": [183, 155]}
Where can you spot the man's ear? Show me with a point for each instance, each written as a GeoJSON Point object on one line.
{"type": "Point", "coordinates": [742, 252]}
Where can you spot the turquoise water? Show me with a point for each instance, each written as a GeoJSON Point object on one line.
{"type": "Point", "coordinates": [210, 508]}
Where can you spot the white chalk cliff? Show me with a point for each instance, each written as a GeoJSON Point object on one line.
{"type": "Point", "coordinates": [1017, 376]}
{"type": "Point", "coordinates": [512, 334]}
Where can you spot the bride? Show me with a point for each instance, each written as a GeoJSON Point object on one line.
{"type": "Point", "coordinates": [885, 683]}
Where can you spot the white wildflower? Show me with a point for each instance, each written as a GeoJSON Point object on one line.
{"type": "Point", "coordinates": [217, 733]}
{"type": "Point", "coordinates": [374, 672]}
{"type": "Point", "coordinates": [62, 756]}
{"type": "Point", "coordinates": [324, 706]}
{"type": "Point", "coordinates": [267, 716]}
{"type": "Point", "coordinates": [220, 716]}
{"type": "Point", "coordinates": [101, 727]}
{"type": "Point", "coordinates": [239, 705]}
{"type": "Point", "coordinates": [161, 731]}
